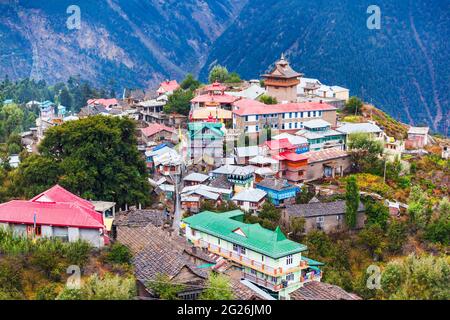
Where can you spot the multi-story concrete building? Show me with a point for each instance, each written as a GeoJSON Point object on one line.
{"type": "Point", "coordinates": [320, 135]}
{"type": "Point", "coordinates": [254, 116]}
{"type": "Point", "coordinates": [266, 258]}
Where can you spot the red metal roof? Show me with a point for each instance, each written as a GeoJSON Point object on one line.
{"type": "Point", "coordinates": [59, 194]}
{"type": "Point", "coordinates": [216, 86]}
{"type": "Point", "coordinates": [155, 128]}
{"type": "Point", "coordinates": [279, 144]}
{"type": "Point", "coordinates": [56, 207]}
{"type": "Point", "coordinates": [292, 156]}
{"type": "Point", "coordinates": [248, 107]}
{"type": "Point", "coordinates": [50, 213]}
{"type": "Point", "coordinates": [168, 86]}
{"type": "Point", "coordinates": [218, 98]}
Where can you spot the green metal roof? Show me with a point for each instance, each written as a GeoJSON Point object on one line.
{"type": "Point", "coordinates": [312, 262]}
{"type": "Point", "coordinates": [273, 244]}
{"type": "Point", "coordinates": [196, 128]}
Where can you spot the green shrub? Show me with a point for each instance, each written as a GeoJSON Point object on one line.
{"type": "Point", "coordinates": [47, 292]}
{"type": "Point", "coordinates": [77, 253]}
{"type": "Point", "coordinates": [118, 253]}
{"type": "Point", "coordinates": [70, 294]}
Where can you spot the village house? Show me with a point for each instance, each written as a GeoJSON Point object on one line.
{"type": "Point", "coordinates": [168, 87]}
{"type": "Point", "coordinates": [151, 111]}
{"type": "Point", "coordinates": [195, 178]}
{"type": "Point", "coordinates": [371, 129]}
{"type": "Point", "coordinates": [250, 199]}
{"type": "Point", "coordinates": [244, 154]}
{"type": "Point", "coordinates": [327, 216]}
{"type": "Point", "coordinates": [279, 192]}
{"type": "Point", "coordinates": [156, 133]}
{"type": "Point", "coordinates": [106, 103]}
{"type": "Point", "coordinates": [322, 291]}
{"type": "Point", "coordinates": [320, 135]}
{"type": "Point", "coordinates": [314, 91]}
{"type": "Point", "coordinates": [293, 166]}
{"type": "Point", "coordinates": [327, 163]}
{"type": "Point", "coordinates": [211, 114]}
{"type": "Point", "coordinates": [158, 251]}
{"type": "Point", "coordinates": [265, 167]}
{"type": "Point", "coordinates": [254, 116]}
{"type": "Point", "coordinates": [300, 143]}
{"type": "Point", "coordinates": [241, 177]}
{"type": "Point", "coordinates": [56, 213]}
{"type": "Point", "coordinates": [252, 92]}
{"type": "Point", "coordinates": [192, 196]}
{"type": "Point", "coordinates": [206, 142]}
{"type": "Point", "coordinates": [266, 258]}
{"type": "Point", "coordinates": [417, 137]}
{"type": "Point", "coordinates": [164, 160]}
{"type": "Point", "coordinates": [213, 95]}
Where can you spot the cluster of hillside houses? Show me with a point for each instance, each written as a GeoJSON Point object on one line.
{"type": "Point", "coordinates": [230, 148]}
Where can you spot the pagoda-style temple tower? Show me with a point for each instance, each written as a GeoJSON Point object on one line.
{"type": "Point", "coordinates": [282, 82]}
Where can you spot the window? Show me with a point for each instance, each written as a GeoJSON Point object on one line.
{"type": "Point", "coordinates": [301, 114]}
{"type": "Point", "coordinates": [262, 258]}
{"type": "Point", "coordinates": [309, 114]}
{"type": "Point", "coordinates": [290, 115]}
{"type": "Point", "coordinates": [290, 125]}
{"type": "Point", "coordinates": [314, 114]}
{"type": "Point", "coordinates": [38, 231]}
{"type": "Point", "coordinates": [193, 232]}
{"type": "Point", "coordinates": [295, 125]}
{"type": "Point", "coordinates": [257, 117]}
{"type": "Point", "coordinates": [290, 277]}
{"type": "Point", "coordinates": [274, 279]}
{"type": "Point", "coordinates": [243, 251]}
{"type": "Point", "coordinates": [246, 118]}
{"type": "Point", "coordinates": [235, 248]}
{"type": "Point", "coordinates": [257, 128]}
{"type": "Point", "coordinates": [253, 272]}
{"type": "Point", "coordinates": [289, 259]}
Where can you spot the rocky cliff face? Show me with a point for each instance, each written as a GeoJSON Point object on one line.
{"type": "Point", "coordinates": [133, 42]}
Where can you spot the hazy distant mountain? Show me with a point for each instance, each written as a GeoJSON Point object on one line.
{"type": "Point", "coordinates": [402, 68]}
{"type": "Point", "coordinates": [133, 42]}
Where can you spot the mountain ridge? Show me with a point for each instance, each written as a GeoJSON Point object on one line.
{"type": "Point", "coordinates": [403, 68]}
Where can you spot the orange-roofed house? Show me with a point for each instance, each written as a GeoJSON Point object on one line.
{"type": "Point", "coordinates": [56, 213]}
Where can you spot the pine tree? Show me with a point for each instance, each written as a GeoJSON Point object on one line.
{"type": "Point", "coordinates": [352, 202]}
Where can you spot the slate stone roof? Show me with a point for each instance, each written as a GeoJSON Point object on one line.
{"type": "Point", "coordinates": [140, 218]}
{"type": "Point", "coordinates": [316, 209]}
{"type": "Point", "coordinates": [322, 291]}
{"type": "Point", "coordinates": [156, 252]}
{"type": "Point", "coordinates": [221, 182]}
{"type": "Point", "coordinates": [275, 184]}
{"type": "Point", "coordinates": [242, 292]}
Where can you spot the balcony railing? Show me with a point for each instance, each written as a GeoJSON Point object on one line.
{"type": "Point", "coordinates": [250, 263]}
{"type": "Point", "coordinates": [262, 282]}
